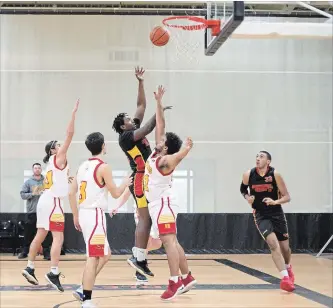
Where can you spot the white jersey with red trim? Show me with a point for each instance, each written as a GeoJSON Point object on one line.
{"type": "Point", "coordinates": [156, 183]}
{"type": "Point", "coordinates": [91, 194]}
{"type": "Point", "coordinates": [56, 179]}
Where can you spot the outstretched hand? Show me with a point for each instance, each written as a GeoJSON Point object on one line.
{"type": "Point", "coordinates": [188, 143]}
{"type": "Point", "coordinates": [139, 72]}
{"type": "Point", "coordinates": [159, 94]}
{"type": "Point", "coordinates": [76, 105]}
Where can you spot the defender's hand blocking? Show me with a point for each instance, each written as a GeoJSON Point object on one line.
{"type": "Point", "coordinates": [159, 94]}
{"type": "Point", "coordinates": [76, 106]}
{"type": "Point", "coordinates": [139, 72]}
{"type": "Point", "coordinates": [188, 143]}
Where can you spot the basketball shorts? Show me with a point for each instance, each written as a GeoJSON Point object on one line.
{"type": "Point", "coordinates": [268, 222]}
{"type": "Point", "coordinates": [94, 230]}
{"type": "Point", "coordinates": [137, 190]}
{"type": "Point", "coordinates": [163, 215]}
{"type": "Point", "coordinates": [153, 234]}
{"type": "Point", "coordinates": [50, 213]}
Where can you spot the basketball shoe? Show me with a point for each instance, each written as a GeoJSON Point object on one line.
{"type": "Point", "coordinates": [174, 288]}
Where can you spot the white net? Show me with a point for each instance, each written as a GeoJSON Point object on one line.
{"type": "Point", "coordinates": [187, 41]}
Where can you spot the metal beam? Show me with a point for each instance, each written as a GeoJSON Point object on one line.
{"type": "Point", "coordinates": [314, 9]}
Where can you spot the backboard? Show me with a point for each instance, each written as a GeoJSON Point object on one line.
{"type": "Point", "coordinates": [231, 15]}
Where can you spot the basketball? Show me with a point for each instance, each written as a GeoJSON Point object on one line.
{"type": "Point", "coordinates": [159, 36]}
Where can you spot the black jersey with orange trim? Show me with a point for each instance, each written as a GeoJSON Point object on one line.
{"type": "Point", "coordinates": [263, 187]}
{"type": "Point", "coordinates": [138, 151]}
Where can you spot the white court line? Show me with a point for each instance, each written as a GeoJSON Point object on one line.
{"type": "Point", "coordinates": [172, 71]}
{"type": "Point", "coordinates": [195, 142]}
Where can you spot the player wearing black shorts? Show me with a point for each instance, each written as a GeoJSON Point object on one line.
{"type": "Point", "coordinates": [267, 192]}
{"type": "Point", "coordinates": [133, 142]}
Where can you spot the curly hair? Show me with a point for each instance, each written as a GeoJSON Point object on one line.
{"type": "Point", "coordinates": [118, 122]}
{"type": "Point", "coordinates": [173, 142]}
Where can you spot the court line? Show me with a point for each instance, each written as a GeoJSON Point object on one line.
{"type": "Point", "coordinates": [301, 291]}
{"type": "Point", "coordinates": [168, 71]}
{"type": "Point", "coordinates": [196, 142]}
{"type": "Point", "coordinates": [68, 287]}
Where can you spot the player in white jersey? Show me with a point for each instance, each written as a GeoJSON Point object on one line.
{"type": "Point", "coordinates": [50, 210]}
{"type": "Point", "coordinates": [154, 241]}
{"type": "Point", "coordinates": [89, 201]}
{"type": "Point", "coordinates": [163, 208]}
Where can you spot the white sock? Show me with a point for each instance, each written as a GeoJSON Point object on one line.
{"type": "Point", "coordinates": [287, 265]}
{"type": "Point", "coordinates": [135, 252]}
{"type": "Point", "coordinates": [80, 289]}
{"type": "Point", "coordinates": [141, 254]}
{"type": "Point", "coordinates": [31, 264]}
{"type": "Point", "coordinates": [174, 278]}
{"type": "Point", "coordinates": [184, 276]}
{"type": "Point", "coordinates": [284, 273]}
{"type": "Point", "coordinates": [55, 270]}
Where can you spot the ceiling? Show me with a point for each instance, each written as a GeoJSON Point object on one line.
{"type": "Point", "coordinates": [252, 8]}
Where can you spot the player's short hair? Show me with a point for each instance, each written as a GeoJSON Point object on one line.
{"type": "Point", "coordinates": [49, 146]}
{"type": "Point", "coordinates": [118, 122]}
{"type": "Point", "coordinates": [173, 142]}
{"type": "Point", "coordinates": [269, 156]}
{"type": "Point", "coordinates": [36, 164]}
{"type": "Point", "coordinates": [94, 143]}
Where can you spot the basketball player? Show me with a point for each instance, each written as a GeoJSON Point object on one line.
{"type": "Point", "coordinates": [267, 192]}
{"type": "Point", "coordinates": [154, 241]}
{"type": "Point", "coordinates": [162, 207]}
{"type": "Point", "coordinates": [133, 142]}
{"type": "Point", "coordinates": [92, 184]}
{"type": "Point", "coordinates": [50, 214]}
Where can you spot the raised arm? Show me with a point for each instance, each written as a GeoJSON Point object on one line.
{"type": "Point", "coordinates": [160, 120]}
{"type": "Point", "coordinates": [115, 191]}
{"type": "Point", "coordinates": [141, 100]}
{"type": "Point", "coordinates": [62, 152]}
{"type": "Point", "coordinates": [169, 162]}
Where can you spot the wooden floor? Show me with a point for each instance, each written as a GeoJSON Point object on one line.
{"type": "Point", "coordinates": [223, 281]}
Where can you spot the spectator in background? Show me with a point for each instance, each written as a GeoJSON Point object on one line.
{"type": "Point", "coordinates": [31, 191]}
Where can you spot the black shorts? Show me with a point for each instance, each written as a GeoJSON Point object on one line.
{"type": "Point", "coordinates": [268, 222]}
{"type": "Point", "coordinates": [137, 190]}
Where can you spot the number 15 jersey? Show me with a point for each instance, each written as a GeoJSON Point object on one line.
{"type": "Point", "coordinates": [91, 194]}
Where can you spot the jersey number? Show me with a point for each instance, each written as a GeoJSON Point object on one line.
{"type": "Point", "coordinates": [48, 181]}
{"type": "Point", "coordinates": [145, 182]}
{"type": "Point", "coordinates": [83, 194]}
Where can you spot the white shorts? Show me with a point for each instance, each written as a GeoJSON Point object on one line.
{"type": "Point", "coordinates": [94, 230]}
{"type": "Point", "coordinates": [50, 213]}
{"type": "Point", "coordinates": [153, 234]}
{"type": "Point", "coordinates": [163, 214]}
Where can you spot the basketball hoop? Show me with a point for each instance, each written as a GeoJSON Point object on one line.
{"type": "Point", "coordinates": [187, 43]}
{"type": "Point", "coordinates": [200, 24]}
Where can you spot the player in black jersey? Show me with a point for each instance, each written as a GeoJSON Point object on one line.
{"type": "Point", "coordinates": [133, 142]}
{"type": "Point", "coordinates": [267, 192]}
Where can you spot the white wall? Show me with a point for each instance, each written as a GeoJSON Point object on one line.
{"type": "Point", "coordinates": [252, 95]}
